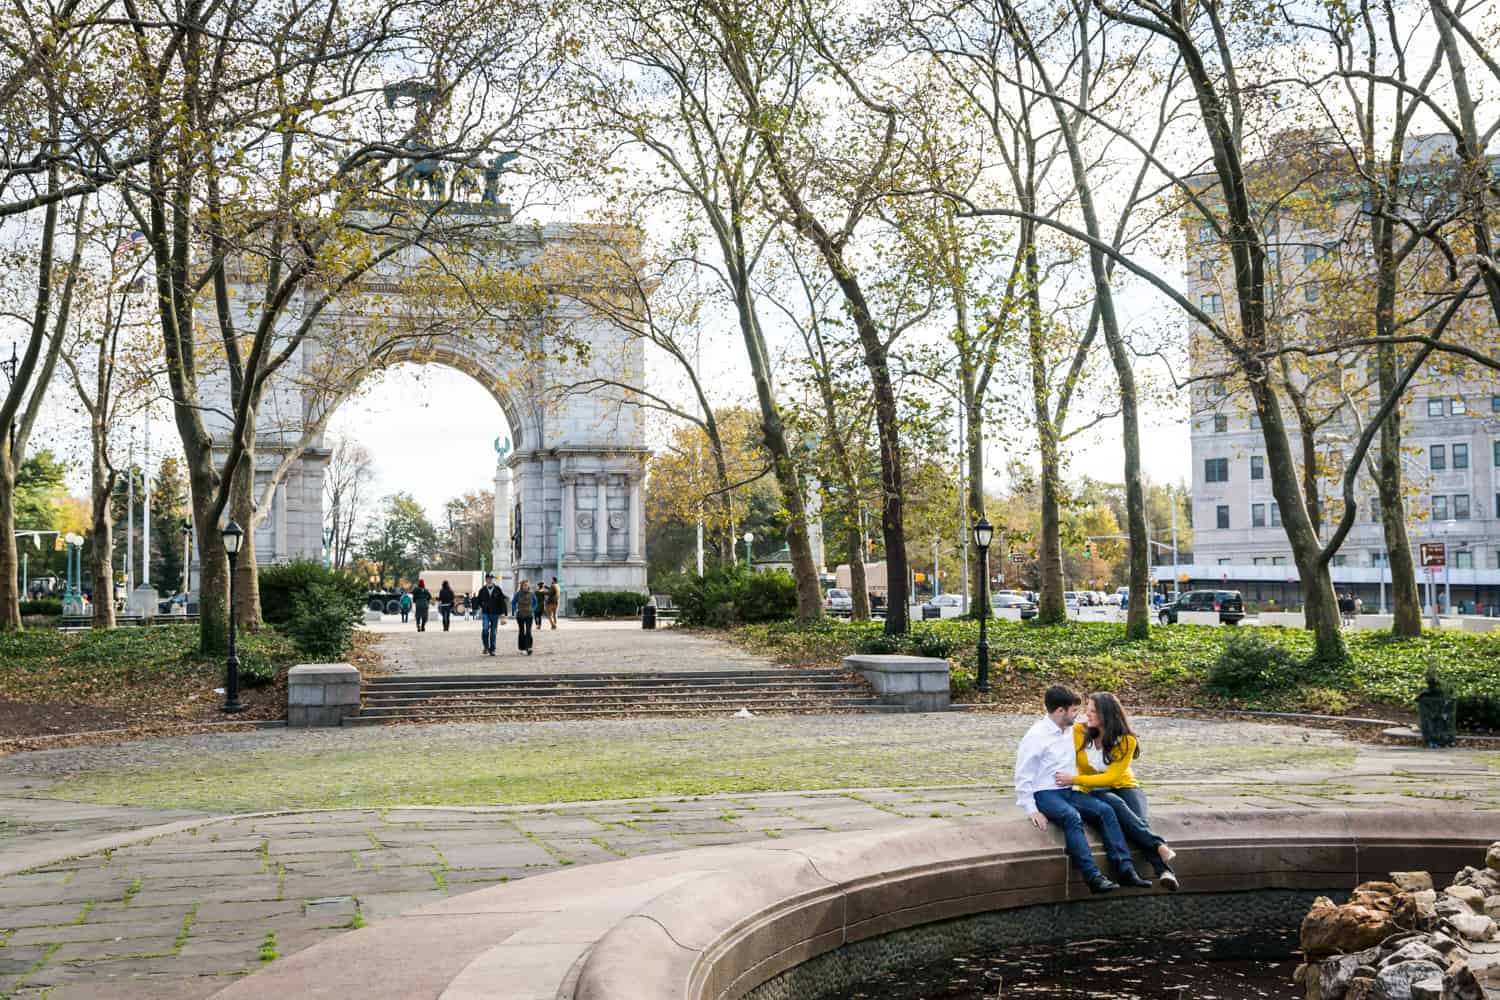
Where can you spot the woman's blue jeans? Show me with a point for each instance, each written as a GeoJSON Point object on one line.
{"type": "Point", "coordinates": [1130, 809]}
{"type": "Point", "coordinates": [1068, 809]}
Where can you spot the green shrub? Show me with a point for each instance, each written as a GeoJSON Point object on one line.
{"type": "Point", "coordinates": [608, 603]}
{"type": "Point", "coordinates": [323, 619]}
{"type": "Point", "coordinates": [730, 595]}
{"type": "Point", "coordinates": [42, 606]}
{"type": "Point", "coordinates": [1250, 662]}
{"type": "Point", "coordinates": [879, 644]}
{"type": "Point", "coordinates": [768, 597]}
{"type": "Point", "coordinates": [282, 583]}
{"type": "Point", "coordinates": [1479, 713]}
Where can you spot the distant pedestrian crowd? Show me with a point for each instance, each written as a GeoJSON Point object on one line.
{"type": "Point", "coordinates": [530, 607]}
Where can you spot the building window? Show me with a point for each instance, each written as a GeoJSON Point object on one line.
{"type": "Point", "coordinates": [1460, 506]}
{"type": "Point", "coordinates": [1205, 232]}
{"type": "Point", "coordinates": [1258, 466]}
{"type": "Point", "coordinates": [1340, 560]}
{"type": "Point", "coordinates": [1310, 255]}
{"type": "Point", "coordinates": [1255, 421]}
{"type": "Point", "coordinates": [1216, 470]}
{"type": "Point", "coordinates": [1309, 293]}
{"type": "Point", "coordinates": [1212, 303]}
{"type": "Point", "coordinates": [1495, 404]}
{"type": "Point", "coordinates": [1257, 515]}
{"type": "Point", "coordinates": [1457, 407]}
{"type": "Point", "coordinates": [1440, 508]}
{"type": "Point", "coordinates": [1375, 508]}
{"type": "Point", "coordinates": [1223, 516]}
{"type": "Point", "coordinates": [1463, 559]}
{"type": "Point", "coordinates": [1379, 560]}
{"type": "Point", "coordinates": [1206, 270]}
{"type": "Point", "coordinates": [1497, 455]}
{"type": "Point", "coordinates": [1460, 456]}
{"type": "Point", "coordinates": [1259, 560]}
{"type": "Point", "coordinates": [1275, 514]}
{"type": "Point", "coordinates": [1218, 388]}
{"type": "Point", "coordinates": [1221, 423]}
{"type": "Point", "coordinates": [1226, 562]}
{"type": "Point", "coordinates": [1435, 407]}
{"type": "Point", "coordinates": [1437, 457]}
{"type": "Point", "coordinates": [1278, 560]}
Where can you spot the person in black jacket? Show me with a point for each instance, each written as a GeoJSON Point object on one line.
{"type": "Point", "coordinates": [445, 603]}
{"type": "Point", "coordinates": [421, 597]}
{"type": "Point", "coordinates": [492, 604]}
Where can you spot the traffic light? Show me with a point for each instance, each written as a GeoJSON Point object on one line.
{"type": "Point", "coordinates": [57, 542]}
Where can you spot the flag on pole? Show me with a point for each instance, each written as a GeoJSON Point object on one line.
{"type": "Point", "coordinates": [129, 242]}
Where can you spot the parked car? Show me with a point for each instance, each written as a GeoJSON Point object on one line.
{"type": "Point", "coordinates": [1228, 603]}
{"type": "Point", "coordinates": [178, 604]}
{"type": "Point", "coordinates": [839, 602]}
{"type": "Point", "coordinates": [944, 606]}
{"type": "Point", "coordinates": [1071, 599]}
{"type": "Point", "coordinates": [1014, 600]}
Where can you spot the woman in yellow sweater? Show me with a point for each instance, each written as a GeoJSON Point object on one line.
{"type": "Point", "coordinates": [1105, 746]}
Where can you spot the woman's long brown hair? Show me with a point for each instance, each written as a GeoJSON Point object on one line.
{"type": "Point", "coordinates": [1113, 725]}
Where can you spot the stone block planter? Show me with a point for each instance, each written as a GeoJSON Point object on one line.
{"type": "Point", "coordinates": [321, 694]}
{"type": "Point", "coordinates": [917, 683]}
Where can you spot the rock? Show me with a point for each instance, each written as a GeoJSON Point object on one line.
{"type": "Point", "coordinates": [1460, 984]}
{"type": "Point", "coordinates": [1332, 930]}
{"type": "Point", "coordinates": [1441, 942]}
{"type": "Point", "coordinates": [1369, 892]}
{"type": "Point", "coordinates": [1427, 989]}
{"type": "Point", "coordinates": [1361, 988]}
{"type": "Point", "coordinates": [1483, 879]}
{"type": "Point", "coordinates": [1492, 907]}
{"type": "Point", "coordinates": [1335, 974]}
{"type": "Point", "coordinates": [1467, 895]}
{"type": "Point", "coordinates": [1415, 951]}
{"type": "Point", "coordinates": [1473, 926]}
{"type": "Point", "coordinates": [1412, 881]}
{"type": "Point", "coordinates": [1395, 981]}
{"type": "Point", "coordinates": [1492, 857]}
{"type": "Point", "coordinates": [1446, 906]}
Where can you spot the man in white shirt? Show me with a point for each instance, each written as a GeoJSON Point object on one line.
{"type": "Point", "coordinates": [1046, 749]}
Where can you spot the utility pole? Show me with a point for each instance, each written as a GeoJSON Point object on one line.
{"type": "Point", "coordinates": [146, 511]}
{"type": "Point", "coordinates": [129, 526]}
{"type": "Point", "coordinates": [1173, 495]}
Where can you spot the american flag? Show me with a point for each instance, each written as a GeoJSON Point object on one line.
{"type": "Point", "coordinates": [129, 242]}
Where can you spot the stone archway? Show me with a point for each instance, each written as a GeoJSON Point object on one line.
{"type": "Point", "coordinates": [569, 490]}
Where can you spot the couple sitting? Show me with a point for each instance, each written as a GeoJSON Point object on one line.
{"type": "Point", "coordinates": [1071, 773]}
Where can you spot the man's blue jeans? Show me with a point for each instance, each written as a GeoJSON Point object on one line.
{"type": "Point", "coordinates": [1068, 809]}
{"type": "Point", "coordinates": [489, 624]}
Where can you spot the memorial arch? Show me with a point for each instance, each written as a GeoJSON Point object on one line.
{"type": "Point", "coordinates": [569, 469]}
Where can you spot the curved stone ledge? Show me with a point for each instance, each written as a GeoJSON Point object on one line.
{"type": "Point", "coordinates": [716, 923]}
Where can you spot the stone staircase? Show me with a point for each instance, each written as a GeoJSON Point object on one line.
{"type": "Point", "coordinates": [531, 698]}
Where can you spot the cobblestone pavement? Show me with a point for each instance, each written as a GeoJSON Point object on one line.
{"type": "Point", "coordinates": [177, 915]}
{"type": "Point", "coordinates": [574, 647]}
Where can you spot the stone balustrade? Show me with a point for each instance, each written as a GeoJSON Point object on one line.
{"type": "Point", "coordinates": [321, 694]}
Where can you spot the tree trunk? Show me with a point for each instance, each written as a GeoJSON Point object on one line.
{"type": "Point", "coordinates": [246, 565]}
{"type": "Point", "coordinates": [1406, 598]}
{"type": "Point", "coordinates": [1310, 472]}
{"type": "Point", "coordinates": [213, 569]}
{"type": "Point", "coordinates": [1138, 614]}
{"type": "Point", "coordinates": [10, 560]}
{"type": "Point", "coordinates": [101, 558]}
{"type": "Point", "coordinates": [859, 592]}
{"type": "Point", "coordinates": [1051, 610]}
{"type": "Point", "coordinates": [974, 501]}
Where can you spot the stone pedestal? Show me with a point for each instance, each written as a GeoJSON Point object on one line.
{"type": "Point", "coordinates": [917, 683]}
{"type": "Point", "coordinates": [321, 694]}
{"type": "Point", "coordinates": [143, 601]}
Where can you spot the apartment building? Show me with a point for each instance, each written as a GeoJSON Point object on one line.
{"type": "Point", "coordinates": [1451, 422]}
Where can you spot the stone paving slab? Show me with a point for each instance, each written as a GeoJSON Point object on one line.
{"type": "Point", "coordinates": [575, 647]}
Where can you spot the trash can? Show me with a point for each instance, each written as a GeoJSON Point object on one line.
{"type": "Point", "coordinates": [648, 616]}
{"type": "Point", "coordinates": [931, 611]}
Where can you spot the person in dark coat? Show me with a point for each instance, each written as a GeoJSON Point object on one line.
{"type": "Point", "coordinates": [421, 597]}
{"type": "Point", "coordinates": [490, 601]}
{"type": "Point", "coordinates": [525, 608]}
{"type": "Point", "coordinates": [445, 603]}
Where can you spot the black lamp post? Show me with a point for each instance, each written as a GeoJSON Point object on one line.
{"type": "Point", "coordinates": [187, 560]}
{"type": "Point", "coordinates": [233, 536]}
{"type": "Point", "coordinates": [983, 533]}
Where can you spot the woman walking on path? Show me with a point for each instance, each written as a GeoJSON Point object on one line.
{"type": "Point", "coordinates": [421, 598]}
{"type": "Point", "coordinates": [405, 607]}
{"type": "Point", "coordinates": [445, 603]}
{"type": "Point", "coordinates": [1104, 747]}
{"type": "Point", "coordinates": [525, 608]}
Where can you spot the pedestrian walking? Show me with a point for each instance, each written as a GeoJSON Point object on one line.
{"type": "Point", "coordinates": [554, 598]}
{"type": "Point", "coordinates": [421, 598]}
{"type": "Point", "coordinates": [445, 603]}
{"type": "Point", "coordinates": [525, 608]}
{"type": "Point", "coordinates": [405, 607]}
{"type": "Point", "coordinates": [490, 603]}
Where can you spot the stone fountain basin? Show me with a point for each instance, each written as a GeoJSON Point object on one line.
{"type": "Point", "coordinates": [723, 923]}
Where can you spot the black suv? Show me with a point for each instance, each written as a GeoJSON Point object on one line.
{"type": "Point", "coordinates": [1228, 603]}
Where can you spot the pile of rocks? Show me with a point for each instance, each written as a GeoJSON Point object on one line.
{"type": "Point", "coordinates": [1403, 940]}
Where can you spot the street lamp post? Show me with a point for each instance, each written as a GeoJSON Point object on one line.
{"type": "Point", "coordinates": [187, 560]}
{"type": "Point", "coordinates": [983, 533]}
{"type": "Point", "coordinates": [233, 536]}
{"type": "Point", "coordinates": [749, 537]}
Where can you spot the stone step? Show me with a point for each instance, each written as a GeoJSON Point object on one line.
{"type": "Point", "coordinates": [689, 698]}
{"type": "Point", "coordinates": [641, 711]}
{"type": "Point", "coordinates": [426, 680]}
{"type": "Point", "coordinates": [613, 690]}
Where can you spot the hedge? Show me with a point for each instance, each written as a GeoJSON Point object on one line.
{"type": "Point", "coordinates": [42, 606]}
{"type": "Point", "coordinates": [608, 603]}
{"type": "Point", "coordinates": [281, 585]}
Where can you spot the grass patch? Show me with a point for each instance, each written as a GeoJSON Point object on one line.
{"type": "Point", "coordinates": [1171, 668]}
{"type": "Point", "coordinates": [566, 763]}
{"type": "Point", "coordinates": [268, 951]}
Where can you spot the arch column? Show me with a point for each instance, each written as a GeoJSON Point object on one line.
{"type": "Point", "coordinates": [601, 517]}
{"type": "Point", "coordinates": [500, 556]}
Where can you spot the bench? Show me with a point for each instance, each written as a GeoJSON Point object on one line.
{"type": "Point", "coordinates": [666, 611]}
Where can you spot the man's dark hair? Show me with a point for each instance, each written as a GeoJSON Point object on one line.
{"type": "Point", "coordinates": [1058, 696]}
